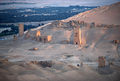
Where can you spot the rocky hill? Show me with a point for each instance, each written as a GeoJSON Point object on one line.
{"type": "Point", "coordinates": [103, 15]}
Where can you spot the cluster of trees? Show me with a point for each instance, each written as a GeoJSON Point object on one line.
{"type": "Point", "coordinates": [39, 14]}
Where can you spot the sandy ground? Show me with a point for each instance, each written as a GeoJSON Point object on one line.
{"type": "Point", "coordinates": [64, 58]}
{"type": "Point", "coordinates": [65, 62]}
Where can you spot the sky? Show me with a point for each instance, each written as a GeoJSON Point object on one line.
{"type": "Point", "coordinates": [42, 3]}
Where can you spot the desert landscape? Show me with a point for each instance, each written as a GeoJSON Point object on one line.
{"type": "Point", "coordinates": [85, 47]}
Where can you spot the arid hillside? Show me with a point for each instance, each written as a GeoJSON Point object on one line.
{"type": "Point", "coordinates": [103, 15]}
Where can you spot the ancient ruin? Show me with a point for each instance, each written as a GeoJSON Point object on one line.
{"type": "Point", "coordinates": [101, 61]}
{"type": "Point", "coordinates": [37, 35]}
{"type": "Point", "coordinates": [45, 39]}
{"type": "Point", "coordinates": [116, 41]}
{"type": "Point", "coordinates": [27, 35]}
{"type": "Point", "coordinates": [14, 37]}
{"type": "Point", "coordinates": [77, 36]}
{"type": "Point", "coordinates": [43, 64]}
{"type": "Point", "coordinates": [21, 30]}
{"type": "Point", "coordinates": [42, 38]}
{"type": "Point", "coordinates": [33, 49]}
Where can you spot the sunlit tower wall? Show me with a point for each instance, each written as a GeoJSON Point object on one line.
{"type": "Point", "coordinates": [21, 30]}
{"type": "Point", "coordinates": [37, 35]}
{"type": "Point", "coordinates": [77, 36]}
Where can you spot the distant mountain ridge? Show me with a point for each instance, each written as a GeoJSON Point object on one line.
{"type": "Point", "coordinates": [109, 14]}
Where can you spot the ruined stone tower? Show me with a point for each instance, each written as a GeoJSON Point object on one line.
{"type": "Point", "coordinates": [21, 29]}
{"type": "Point", "coordinates": [78, 36]}
{"type": "Point", "coordinates": [37, 35]}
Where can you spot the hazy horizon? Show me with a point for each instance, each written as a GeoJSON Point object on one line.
{"type": "Point", "coordinates": [13, 4]}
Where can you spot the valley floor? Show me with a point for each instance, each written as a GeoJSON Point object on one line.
{"type": "Point", "coordinates": [66, 62]}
